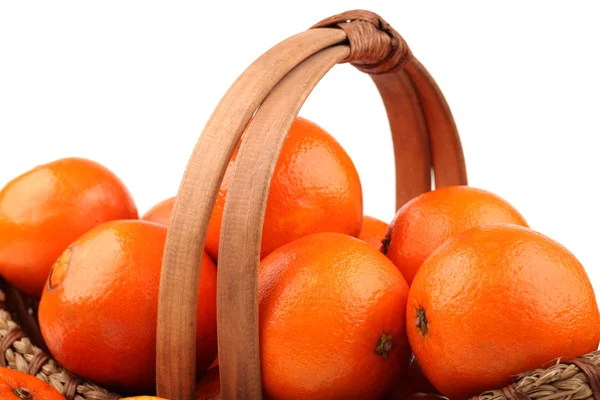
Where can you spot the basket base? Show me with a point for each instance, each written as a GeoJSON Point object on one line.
{"type": "Point", "coordinates": [23, 309]}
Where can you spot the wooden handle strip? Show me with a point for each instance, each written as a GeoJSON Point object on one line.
{"type": "Point", "coordinates": [275, 86]}
{"type": "Point", "coordinates": [243, 216]}
{"type": "Point", "coordinates": [409, 135]}
{"type": "Point", "coordinates": [245, 206]}
{"type": "Point", "coordinates": [446, 148]}
{"type": "Point", "coordinates": [176, 332]}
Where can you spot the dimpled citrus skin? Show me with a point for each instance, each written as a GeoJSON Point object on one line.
{"type": "Point", "coordinates": [425, 222]}
{"type": "Point", "coordinates": [325, 301]}
{"type": "Point", "coordinates": [27, 386]}
{"type": "Point", "coordinates": [315, 188]}
{"type": "Point", "coordinates": [499, 300]}
{"type": "Point", "coordinates": [46, 208]}
{"type": "Point", "coordinates": [99, 320]}
{"type": "Point", "coordinates": [373, 231]}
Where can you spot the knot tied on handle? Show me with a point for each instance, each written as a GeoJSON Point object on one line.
{"type": "Point", "coordinates": [375, 47]}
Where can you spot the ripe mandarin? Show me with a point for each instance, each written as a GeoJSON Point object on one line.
{"type": "Point", "coordinates": [161, 212]}
{"type": "Point", "coordinates": [496, 301]}
{"type": "Point", "coordinates": [331, 320]}
{"type": "Point", "coordinates": [98, 311]}
{"type": "Point", "coordinates": [426, 221]}
{"type": "Point", "coordinates": [315, 188]}
{"type": "Point", "coordinates": [16, 385]}
{"type": "Point", "coordinates": [43, 210]}
{"type": "Point", "coordinates": [373, 231]}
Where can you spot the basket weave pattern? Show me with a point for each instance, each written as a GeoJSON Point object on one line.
{"type": "Point", "coordinates": [18, 353]}
{"type": "Point", "coordinates": [576, 379]}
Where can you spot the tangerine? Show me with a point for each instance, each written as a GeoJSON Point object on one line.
{"type": "Point", "coordinates": [315, 188]}
{"type": "Point", "coordinates": [161, 212]}
{"type": "Point", "coordinates": [425, 222]}
{"type": "Point", "coordinates": [331, 311]}
{"type": "Point", "coordinates": [16, 385]}
{"type": "Point", "coordinates": [98, 311]}
{"type": "Point", "coordinates": [373, 231]}
{"type": "Point", "coordinates": [43, 210]}
{"type": "Point", "coordinates": [496, 301]}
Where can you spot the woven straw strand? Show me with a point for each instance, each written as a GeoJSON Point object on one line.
{"type": "Point", "coordinates": [561, 381]}
{"type": "Point", "coordinates": [21, 353]}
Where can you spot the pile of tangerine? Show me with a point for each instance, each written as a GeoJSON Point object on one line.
{"type": "Point", "coordinates": [454, 296]}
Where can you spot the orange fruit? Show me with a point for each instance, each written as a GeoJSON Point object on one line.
{"type": "Point", "coordinates": [161, 212]}
{"type": "Point", "coordinates": [98, 310]}
{"type": "Point", "coordinates": [209, 387]}
{"type": "Point", "coordinates": [373, 231]}
{"type": "Point", "coordinates": [315, 188]}
{"type": "Point", "coordinates": [331, 320]}
{"type": "Point", "coordinates": [16, 385]}
{"type": "Point", "coordinates": [425, 222]}
{"type": "Point", "coordinates": [496, 301]}
{"type": "Point", "coordinates": [43, 210]}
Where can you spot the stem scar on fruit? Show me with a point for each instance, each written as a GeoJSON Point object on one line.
{"type": "Point", "coordinates": [59, 269]}
{"type": "Point", "coordinates": [23, 393]}
{"type": "Point", "coordinates": [421, 321]}
{"type": "Point", "coordinates": [384, 346]}
{"type": "Point", "coordinates": [385, 243]}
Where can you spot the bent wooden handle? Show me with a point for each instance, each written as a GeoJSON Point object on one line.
{"type": "Point", "coordinates": [273, 90]}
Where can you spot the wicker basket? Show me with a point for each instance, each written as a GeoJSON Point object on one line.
{"type": "Point", "coordinates": [271, 91]}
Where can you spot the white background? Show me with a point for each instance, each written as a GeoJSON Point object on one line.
{"type": "Point", "coordinates": [131, 83]}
